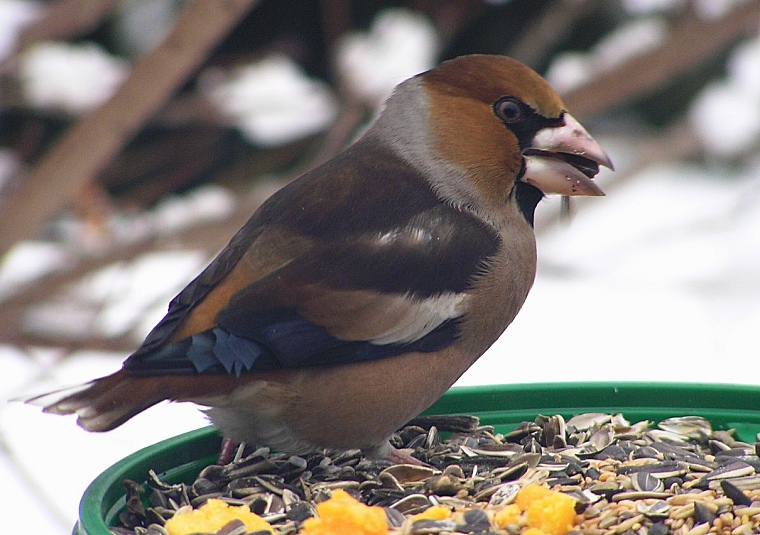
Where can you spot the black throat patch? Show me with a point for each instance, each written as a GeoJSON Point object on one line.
{"type": "Point", "coordinates": [527, 198]}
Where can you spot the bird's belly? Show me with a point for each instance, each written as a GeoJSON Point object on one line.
{"type": "Point", "coordinates": [350, 406]}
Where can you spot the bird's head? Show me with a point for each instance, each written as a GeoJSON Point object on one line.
{"type": "Point", "coordinates": [481, 127]}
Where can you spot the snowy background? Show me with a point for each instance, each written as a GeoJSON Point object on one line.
{"type": "Point", "coordinates": [659, 280]}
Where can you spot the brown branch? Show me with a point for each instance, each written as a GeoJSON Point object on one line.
{"type": "Point", "coordinates": [67, 18]}
{"type": "Point", "coordinates": [88, 146]}
{"type": "Point", "coordinates": [340, 133]}
{"type": "Point", "coordinates": [336, 20]}
{"type": "Point", "coordinates": [551, 26]}
{"type": "Point", "coordinates": [692, 42]}
{"type": "Point", "coordinates": [124, 344]}
{"type": "Point", "coordinates": [450, 17]}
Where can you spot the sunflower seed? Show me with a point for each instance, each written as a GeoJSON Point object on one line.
{"type": "Point", "coordinates": [681, 478]}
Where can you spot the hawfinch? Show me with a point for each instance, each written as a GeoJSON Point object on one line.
{"type": "Point", "coordinates": [359, 292]}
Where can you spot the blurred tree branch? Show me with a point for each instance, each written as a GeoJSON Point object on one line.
{"type": "Point", "coordinates": [64, 19]}
{"type": "Point", "coordinates": [692, 42]}
{"type": "Point", "coordinates": [207, 236]}
{"type": "Point", "coordinates": [552, 26]}
{"type": "Point", "coordinates": [88, 146]}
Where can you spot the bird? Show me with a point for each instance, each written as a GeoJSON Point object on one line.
{"type": "Point", "coordinates": [359, 292]}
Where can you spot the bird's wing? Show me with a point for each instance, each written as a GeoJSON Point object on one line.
{"type": "Point", "coordinates": [319, 277]}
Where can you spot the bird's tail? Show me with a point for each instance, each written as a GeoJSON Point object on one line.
{"type": "Point", "coordinates": [105, 403]}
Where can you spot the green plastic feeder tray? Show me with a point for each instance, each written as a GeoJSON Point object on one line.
{"type": "Point", "coordinates": [503, 406]}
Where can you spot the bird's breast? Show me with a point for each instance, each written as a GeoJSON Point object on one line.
{"type": "Point", "coordinates": [498, 293]}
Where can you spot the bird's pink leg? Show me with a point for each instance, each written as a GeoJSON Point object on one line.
{"type": "Point", "coordinates": [397, 456]}
{"type": "Point", "coordinates": [227, 451]}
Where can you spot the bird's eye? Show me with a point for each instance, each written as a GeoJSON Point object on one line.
{"type": "Point", "coordinates": [508, 110]}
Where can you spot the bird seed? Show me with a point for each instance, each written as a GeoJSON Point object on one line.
{"type": "Point", "coordinates": [678, 477]}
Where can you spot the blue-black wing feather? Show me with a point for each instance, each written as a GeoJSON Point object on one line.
{"type": "Point", "coordinates": [280, 341]}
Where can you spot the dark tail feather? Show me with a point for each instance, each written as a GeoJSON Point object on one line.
{"type": "Point", "coordinates": [104, 403]}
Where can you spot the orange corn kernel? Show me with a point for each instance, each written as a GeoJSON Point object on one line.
{"type": "Point", "coordinates": [344, 515]}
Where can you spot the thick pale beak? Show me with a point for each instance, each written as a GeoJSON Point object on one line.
{"type": "Point", "coordinates": [564, 159]}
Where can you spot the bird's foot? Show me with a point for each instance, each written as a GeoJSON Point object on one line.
{"type": "Point", "coordinates": [227, 451]}
{"type": "Point", "coordinates": [384, 450]}
{"type": "Point", "coordinates": [397, 456]}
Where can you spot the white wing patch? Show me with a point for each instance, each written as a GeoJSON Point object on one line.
{"type": "Point", "coordinates": [381, 318]}
{"type": "Point", "coordinates": [422, 316]}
